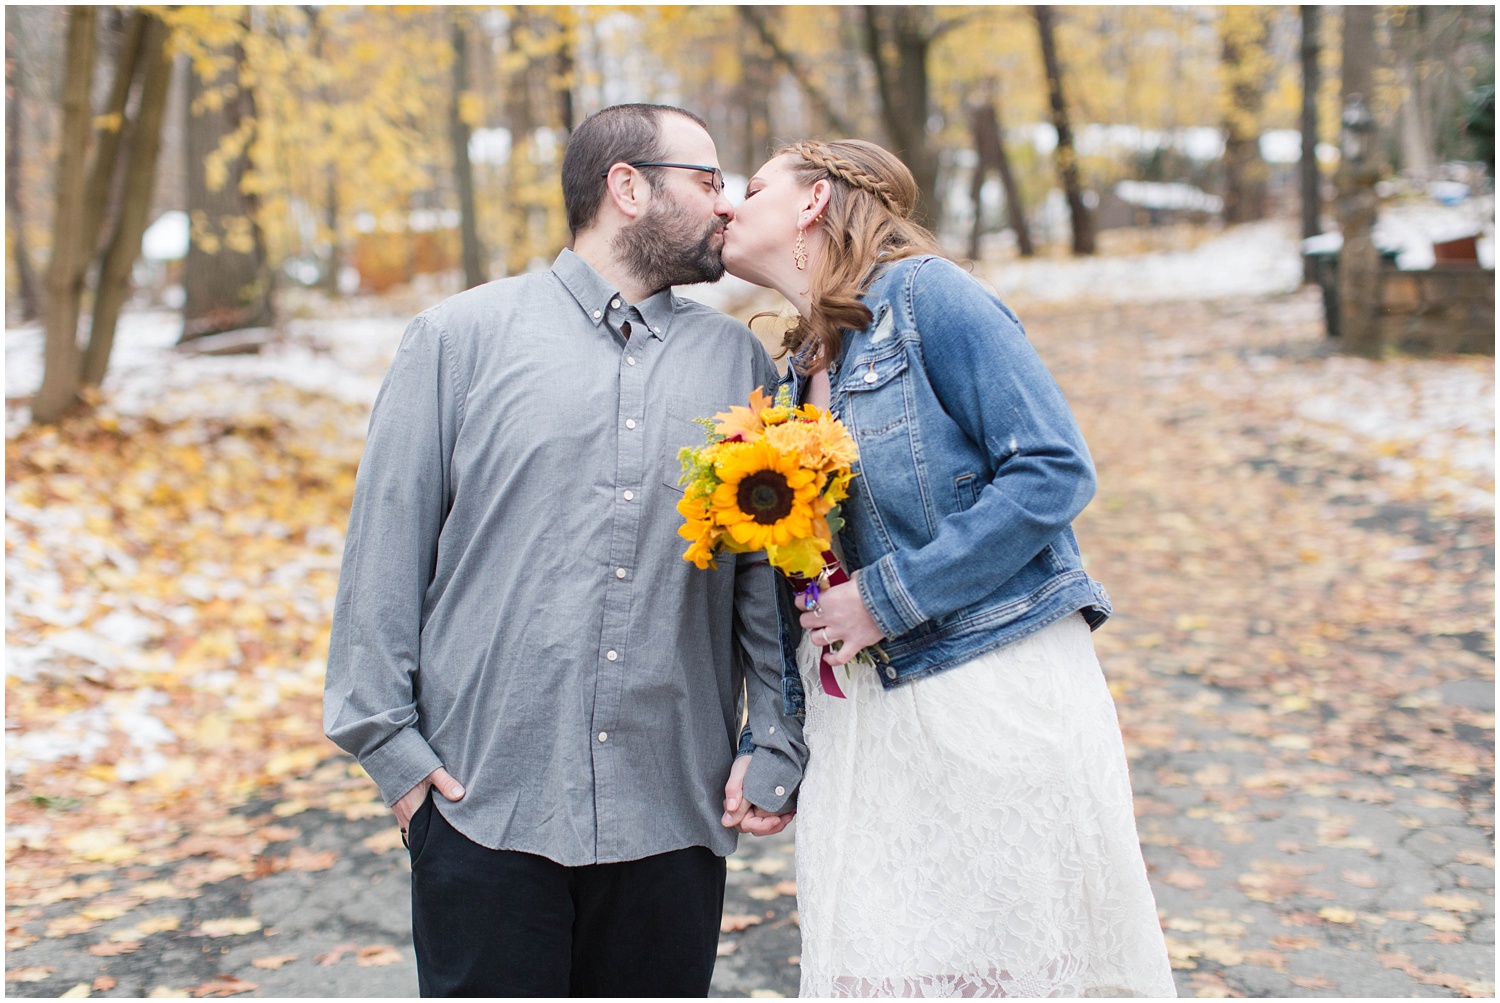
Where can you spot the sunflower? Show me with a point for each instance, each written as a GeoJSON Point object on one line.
{"type": "Point", "coordinates": [765, 498]}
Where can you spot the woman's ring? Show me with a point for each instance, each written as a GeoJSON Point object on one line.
{"type": "Point", "coordinates": [826, 643]}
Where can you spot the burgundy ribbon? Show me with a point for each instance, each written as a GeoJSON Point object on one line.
{"type": "Point", "coordinates": [836, 576]}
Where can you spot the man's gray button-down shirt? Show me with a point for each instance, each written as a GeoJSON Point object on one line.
{"type": "Point", "coordinates": [514, 605]}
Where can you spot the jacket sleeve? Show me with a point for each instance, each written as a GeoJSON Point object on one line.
{"type": "Point", "coordinates": [401, 497]}
{"type": "Point", "coordinates": [772, 737]}
{"type": "Point", "coordinates": [991, 382]}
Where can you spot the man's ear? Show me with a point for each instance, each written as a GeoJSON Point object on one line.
{"type": "Point", "coordinates": [627, 189]}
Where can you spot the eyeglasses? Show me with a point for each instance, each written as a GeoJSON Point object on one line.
{"type": "Point", "coordinates": [718, 175]}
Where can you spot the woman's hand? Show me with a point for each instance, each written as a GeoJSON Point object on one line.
{"type": "Point", "coordinates": [841, 616]}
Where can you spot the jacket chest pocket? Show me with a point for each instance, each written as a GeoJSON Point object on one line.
{"type": "Point", "coordinates": [876, 395]}
{"type": "Point", "coordinates": [888, 500]}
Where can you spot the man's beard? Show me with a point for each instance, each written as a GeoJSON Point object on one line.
{"type": "Point", "coordinates": [663, 248]}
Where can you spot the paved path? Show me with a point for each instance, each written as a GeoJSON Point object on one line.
{"type": "Point", "coordinates": [1303, 664]}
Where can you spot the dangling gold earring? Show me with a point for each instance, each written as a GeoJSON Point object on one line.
{"type": "Point", "coordinates": [799, 253]}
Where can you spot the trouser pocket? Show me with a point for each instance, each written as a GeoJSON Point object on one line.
{"type": "Point", "coordinates": [419, 826]}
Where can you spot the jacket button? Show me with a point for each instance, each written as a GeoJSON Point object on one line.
{"type": "Point", "coordinates": [870, 377]}
{"type": "Point", "coordinates": [890, 672]}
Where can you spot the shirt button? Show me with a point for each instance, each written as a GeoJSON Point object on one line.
{"type": "Point", "coordinates": [656, 330]}
{"type": "Point", "coordinates": [612, 655]}
{"type": "Point", "coordinates": [598, 314]}
{"type": "Point", "coordinates": [890, 672]}
{"type": "Point", "coordinates": [615, 303]}
{"type": "Point", "coordinates": [619, 572]}
{"type": "Point", "coordinates": [630, 496]}
{"type": "Point", "coordinates": [630, 423]}
{"type": "Point", "coordinates": [630, 360]}
{"type": "Point", "coordinates": [604, 736]}
{"type": "Point", "coordinates": [772, 729]}
{"type": "Point", "coordinates": [780, 791]}
{"type": "Point", "coordinates": [870, 377]}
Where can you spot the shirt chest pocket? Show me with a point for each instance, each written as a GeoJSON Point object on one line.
{"type": "Point", "coordinates": [680, 428]}
{"type": "Point", "coordinates": [877, 395]}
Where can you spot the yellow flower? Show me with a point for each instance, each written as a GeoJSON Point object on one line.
{"type": "Point", "coordinates": [800, 557]}
{"type": "Point", "coordinates": [743, 424]}
{"type": "Point", "coordinates": [822, 444]}
{"type": "Point", "coordinates": [765, 497]}
{"type": "Point", "coordinates": [701, 553]}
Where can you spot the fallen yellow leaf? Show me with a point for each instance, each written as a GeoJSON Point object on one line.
{"type": "Point", "coordinates": [236, 926]}
{"type": "Point", "coordinates": [1338, 914]}
{"type": "Point", "coordinates": [1444, 921]}
{"type": "Point", "coordinates": [273, 962]}
{"type": "Point", "coordinates": [1453, 902]}
{"type": "Point", "coordinates": [383, 841]}
{"type": "Point", "coordinates": [378, 956]}
{"type": "Point", "coordinates": [33, 973]}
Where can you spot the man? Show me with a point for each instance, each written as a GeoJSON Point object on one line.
{"type": "Point", "coordinates": [515, 627]}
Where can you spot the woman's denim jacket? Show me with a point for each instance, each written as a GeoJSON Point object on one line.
{"type": "Point", "coordinates": [971, 471]}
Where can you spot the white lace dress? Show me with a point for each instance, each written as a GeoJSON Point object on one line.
{"type": "Point", "coordinates": [971, 833]}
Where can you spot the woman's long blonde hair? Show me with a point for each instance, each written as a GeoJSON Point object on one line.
{"type": "Point", "coordinates": [867, 220]}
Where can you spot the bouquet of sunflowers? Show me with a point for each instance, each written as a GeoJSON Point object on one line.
{"type": "Point", "coordinates": [770, 478]}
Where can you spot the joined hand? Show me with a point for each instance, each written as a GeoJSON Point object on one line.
{"type": "Point", "coordinates": [740, 814]}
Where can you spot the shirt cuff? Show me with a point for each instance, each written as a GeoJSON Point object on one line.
{"type": "Point", "coordinates": [771, 781]}
{"type": "Point", "coordinates": [890, 605]}
{"type": "Point", "coordinates": [400, 764]}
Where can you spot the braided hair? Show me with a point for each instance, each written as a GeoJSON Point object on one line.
{"type": "Point", "coordinates": [867, 221]}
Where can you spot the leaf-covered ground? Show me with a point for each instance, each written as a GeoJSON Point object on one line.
{"type": "Point", "coordinates": [1300, 547]}
{"type": "Point", "coordinates": [1301, 550]}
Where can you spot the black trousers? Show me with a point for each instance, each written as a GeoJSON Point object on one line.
{"type": "Point", "coordinates": [503, 923]}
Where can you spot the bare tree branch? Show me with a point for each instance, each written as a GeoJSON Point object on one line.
{"type": "Point", "coordinates": [754, 17]}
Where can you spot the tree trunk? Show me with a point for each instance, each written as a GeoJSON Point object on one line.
{"type": "Point", "coordinates": [989, 144]}
{"type": "Point", "coordinates": [897, 40]}
{"type": "Point", "coordinates": [15, 216]}
{"type": "Point", "coordinates": [564, 79]}
{"type": "Point", "coordinates": [1358, 68]}
{"type": "Point", "coordinates": [1359, 259]}
{"type": "Point", "coordinates": [1245, 175]}
{"type": "Point", "coordinates": [1067, 158]}
{"type": "Point", "coordinates": [226, 279]}
{"type": "Point", "coordinates": [754, 102]}
{"type": "Point", "coordinates": [1311, 179]}
{"type": "Point", "coordinates": [463, 170]}
{"type": "Point", "coordinates": [102, 182]}
{"type": "Point", "coordinates": [59, 389]}
{"type": "Point", "coordinates": [135, 204]}
{"type": "Point", "coordinates": [1412, 45]}
{"type": "Point", "coordinates": [334, 263]}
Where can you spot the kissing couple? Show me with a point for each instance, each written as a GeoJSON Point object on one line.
{"type": "Point", "coordinates": [572, 724]}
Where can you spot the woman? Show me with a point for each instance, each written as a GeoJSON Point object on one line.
{"type": "Point", "coordinates": [965, 824]}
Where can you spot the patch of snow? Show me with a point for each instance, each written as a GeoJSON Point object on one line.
{"type": "Point", "coordinates": [1256, 259]}
{"type": "Point", "coordinates": [166, 239]}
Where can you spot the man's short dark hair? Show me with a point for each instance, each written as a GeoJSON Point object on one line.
{"type": "Point", "coordinates": [622, 133]}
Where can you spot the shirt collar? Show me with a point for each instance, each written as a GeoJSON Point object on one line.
{"type": "Point", "coordinates": [594, 294]}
